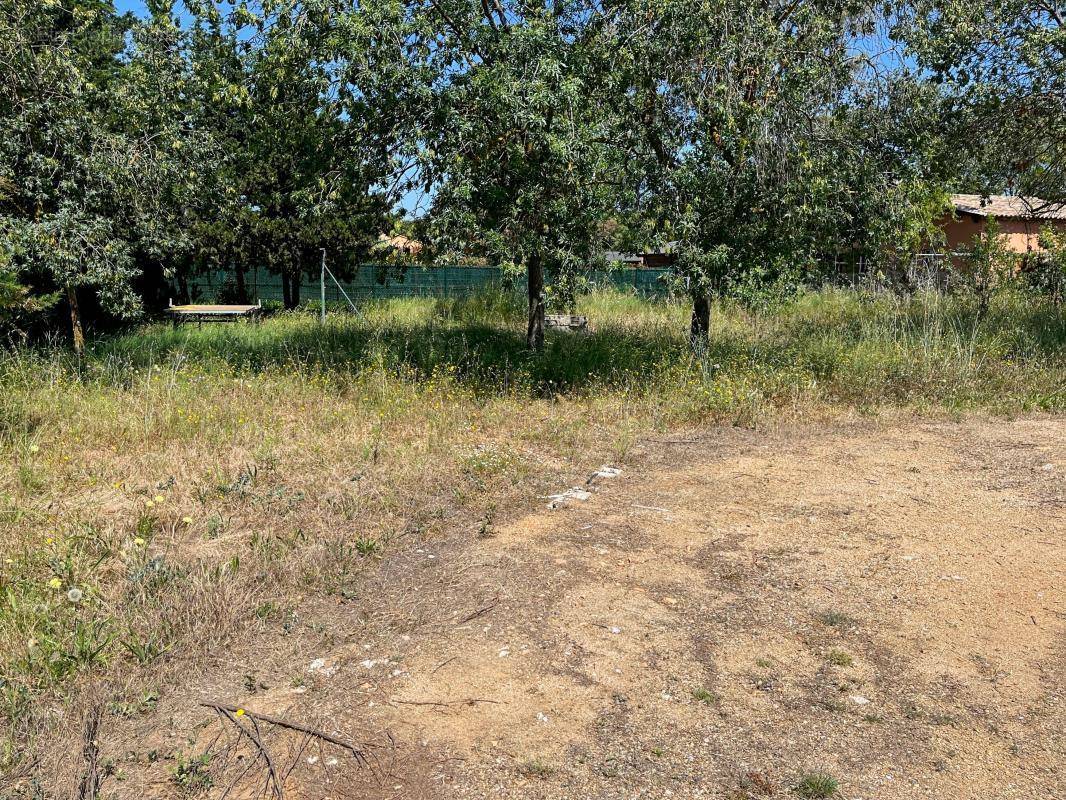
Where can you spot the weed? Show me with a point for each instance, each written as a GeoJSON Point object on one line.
{"type": "Point", "coordinates": [145, 704]}
{"type": "Point", "coordinates": [705, 696]}
{"type": "Point", "coordinates": [535, 769]}
{"type": "Point", "coordinates": [215, 525]}
{"type": "Point", "coordinates": [367, 546]}
{"type": "Point", "coordinates": [835, 619]}
{"type": "Point", "coordinates": [145, 648]}
{"type": "Point", "coordinates": [191, 774]}
{"type": "Point", "coordinates": [838, 658]}
{"type": "Point", "coordinates": [813, 785]}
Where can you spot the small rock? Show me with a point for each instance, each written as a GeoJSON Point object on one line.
{"type": "Point", "coordinates": [616, 630]}
{"type": "Point", "coordinates": [504, 653]}
{"type": "Point", "coordinates": [318, 667]}
{"type": "Point", "coordinates": [670, 601]}
{"type": "Point", "coordinates": [369, 663]}
{"type": "Point", "coordinates": [604, 473]}
{"type": "Point", "coordinates": [563, 498]}
{"type": "Point", "coordinates": [541, 717]}
{"type": "Point", "coordinates": [859, 700]}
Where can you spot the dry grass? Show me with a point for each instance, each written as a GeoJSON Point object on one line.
{"type": "Point", "coordinates": [181, 488]}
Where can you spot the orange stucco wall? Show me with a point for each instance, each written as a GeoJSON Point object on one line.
{"type": "Point", "coordinates": [1021, 234]}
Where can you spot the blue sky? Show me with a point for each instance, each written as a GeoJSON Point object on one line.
{"type": "Point", "coordinates": [130, 5]}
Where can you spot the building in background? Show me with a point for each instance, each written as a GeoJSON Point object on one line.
{"type": "Point", "coordinates": [1020, 220]}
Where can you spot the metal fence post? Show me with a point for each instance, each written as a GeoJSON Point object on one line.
{"type": "Point", "coordinates": [322, 286]}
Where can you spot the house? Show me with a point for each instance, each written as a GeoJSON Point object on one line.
{"type": "Point", "coordinates": [659, 259]}
{"type": "Point", "coordinates": [400, 244]}
{"type": "Point", "coordinates": [1020, 220]}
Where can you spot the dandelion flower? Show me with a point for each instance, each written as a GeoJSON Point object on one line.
{"type": "Point", "coordinates": [159, 498]}
{"type": "Point", "coordinates": [34, 448]}
{"type": "Point", "coordinates": [138, 541]}
{"type": "Point", "coordinates": [55, 583]}
{"type": "Point", "coordinates": [240, 712]}
{"type": "Point", "coordinates": [187, 520]}
{"type": "Point", "coordinates": [74, 595]}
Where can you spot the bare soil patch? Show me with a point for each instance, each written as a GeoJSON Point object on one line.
{"type": "Point", "coordinates": [881, 602]}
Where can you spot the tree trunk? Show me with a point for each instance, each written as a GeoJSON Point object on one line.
{"type": "Point", "coordinates": [535, 290]}
{"type": "Point", "coordinates": [701, 320]}
{"type": "Point", "coordinates": [296, 276]}
{"type": "Point", "coordinates": [184, 295]}
{"type": "Point", "coordinates": [242, 289]}
{"type": "Point", "coordinates": [75, 321]}
{"type": "Point", "coordinates": [286, 289]}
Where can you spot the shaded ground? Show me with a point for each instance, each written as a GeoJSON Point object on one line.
{"type": "Point", "coordinates": [884, 604]}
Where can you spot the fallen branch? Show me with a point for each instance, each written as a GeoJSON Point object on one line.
{"type": "Point", "coordinates": [469, 701]}
{"type": "Point", "coordinates": [357, 753]}
{"type": "Point", "coordinates": [255, 738]}
{"type": "Point", "coordinates": [90, 752]}
{"type": "Point", "coordinates": [495, 602]}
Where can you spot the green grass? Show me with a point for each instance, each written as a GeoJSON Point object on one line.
{"type": "Point", "coordinates": [704, 696]}
{"type": "Point", "coordinates": [836, 619]}
{"type": "Point", "coordinates": [838, 658]}
{"type": "Point", "coordinates": [816, 785]}
{"type": "Point", "coordinates": [183, 480]}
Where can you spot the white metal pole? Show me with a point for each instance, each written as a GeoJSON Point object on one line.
{"type": "Point", "coordinates": [322, 286]}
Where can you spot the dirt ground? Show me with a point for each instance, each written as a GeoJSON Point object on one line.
{"type": "Point", "coordinates": [881, 602]}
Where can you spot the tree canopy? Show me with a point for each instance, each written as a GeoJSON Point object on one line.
{"type": "Point", "coordinates": [751, 139]}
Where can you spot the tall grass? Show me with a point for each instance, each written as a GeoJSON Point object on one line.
{"type": "Point", "coordinates": [189, 483]}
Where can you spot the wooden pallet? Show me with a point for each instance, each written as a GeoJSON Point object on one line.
{"type": "Point", "coordinates": [214, 313]}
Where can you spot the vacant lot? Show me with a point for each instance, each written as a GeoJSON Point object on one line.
{"type": "Point", "coordinates": [342, 536]}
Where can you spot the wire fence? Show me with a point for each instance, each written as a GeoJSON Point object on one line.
{"type": "Point", "coordinates": [386, 281]}
{"type": "Point", "coordinates": [378, 282]}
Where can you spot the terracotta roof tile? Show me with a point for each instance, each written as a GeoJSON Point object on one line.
{"type": "Point", "coordinates": [1008, 207]}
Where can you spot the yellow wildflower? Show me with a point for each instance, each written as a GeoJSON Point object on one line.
{"type": "Point", "coordinates": [159, 498]}
{"type": "Point", "coordinates": [138, 541]}
{"type": "Point", "coordinates": [149, 504]}
{"type": "Point", "coordinates": [55, 583]}
{"type": "Point", "coordinates": [240, 712]}
{"type": "Point", "coordinates": [187, 520]}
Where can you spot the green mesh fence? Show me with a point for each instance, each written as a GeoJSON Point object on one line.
{"type": "Point", "coordinates": [372, 281]}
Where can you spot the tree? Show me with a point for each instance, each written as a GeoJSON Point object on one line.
{"type": "Point", "coordinates": [740, 117]}
{"type": "Point", "coordinates": [517, 152]}
{"type": "Point", "coordinates": [62, 160]}
{"type": "Point", "coordinates": [307, 103]}
{"type": "Point", "coordinates": [1001, 67]}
